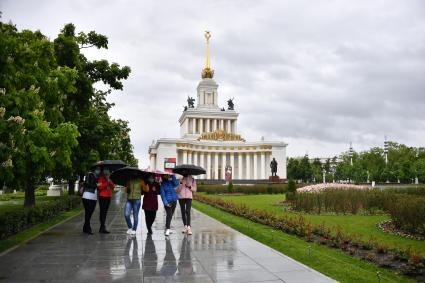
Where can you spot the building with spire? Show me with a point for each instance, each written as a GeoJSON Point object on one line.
{"type": "Point", "coordinates": [209, 138]}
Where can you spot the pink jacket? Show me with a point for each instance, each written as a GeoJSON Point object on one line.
{"type": "Point", "coordinates": [187, 187]}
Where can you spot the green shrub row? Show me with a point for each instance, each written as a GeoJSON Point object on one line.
{"type": "Point", "coordinates": [403, 261]}
{"type": "Point", "coordinates": [407, 210]}
{"type": "Point", "coordinates": [39, 191]}
{"type": "Point", "coordinates": [17, 218]}
{"type": "Point", "coordinates": [244, 189]}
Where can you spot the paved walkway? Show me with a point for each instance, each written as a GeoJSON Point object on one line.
{"type": "Point", "coordinates": [215, 253]}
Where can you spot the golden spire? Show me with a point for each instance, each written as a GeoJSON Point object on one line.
{"type": "Point", "coordinates": [207, 72]}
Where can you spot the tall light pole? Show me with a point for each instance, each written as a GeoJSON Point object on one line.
{"type": "Point", "coordinates": [416, 170]}
{"type": "Point", "coordinates": [386, 146]}
{"type": "Point", "coordinates": [350, 154]}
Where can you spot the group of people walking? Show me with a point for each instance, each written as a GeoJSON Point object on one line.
{"type": "Point", "coordinates": [99, 187]}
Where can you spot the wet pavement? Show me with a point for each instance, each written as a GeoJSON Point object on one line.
{"type": "Point", "coordinates": [214, 253]}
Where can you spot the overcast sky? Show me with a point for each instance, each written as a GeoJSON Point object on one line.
{"type": "Point", "coordinates": [315, 74]}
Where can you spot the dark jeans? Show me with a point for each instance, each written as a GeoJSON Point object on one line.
{"type": "Point", "coordinates": [89, 206]}
{"type": "Point", "coordinates": [185, 205]}
{"type": "Point", "coordinates": [104, 206]}
{"type": "Point", "coordinates": [150, 216]}
{"type": "Point", "coordinates": [169, 211]}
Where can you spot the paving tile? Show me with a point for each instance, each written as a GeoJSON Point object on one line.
{"type": "Point", "coordinates": [214, 253]}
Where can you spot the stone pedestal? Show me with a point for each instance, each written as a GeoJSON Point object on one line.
{"type": "Point", "coordinates": [275, 179]}
{"type": "Point", "coordinates": [54, 191]}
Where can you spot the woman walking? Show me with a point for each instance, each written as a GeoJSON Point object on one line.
{"type": "Point", "coordinates": [89, 199]}
{"type": "Point", "coordinates": [134, 193]}
{"type": "Point", "coordinates": [150, 202]}
{"type": "Point", "coordinates": [105, 187]}
{"type": "Point", "coordinates": [169, 198]}
{"type": "Point", "coordinates": [185, 194]}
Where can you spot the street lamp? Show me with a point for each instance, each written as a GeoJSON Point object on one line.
{"type": "Point", "coordinates": [386, 146]}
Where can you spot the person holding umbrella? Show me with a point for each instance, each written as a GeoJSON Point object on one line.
{"type": "Point", "coordinates": [185, 193]}
{"type": "Point", "coordinates": [169, 198]}
{"type": "Point", "coordinates": [89, 198]}
{"type": "Point", "coordinates": [150, 201]}
{"type": "Point", "coordinates": [105, 187]}
{"type": "Point", "coordinates": [134, 193]}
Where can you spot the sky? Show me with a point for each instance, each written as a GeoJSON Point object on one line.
{"type": "Point", "coordinates": [314, 74]}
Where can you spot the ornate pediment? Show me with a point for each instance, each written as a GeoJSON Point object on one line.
{"type": "Point", "coordinates": [220, 135]}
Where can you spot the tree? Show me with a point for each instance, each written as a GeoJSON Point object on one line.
{"type": "Point", "coordinates": [100, 136]}
{"type": "Point", "coordinates": [34, 138]}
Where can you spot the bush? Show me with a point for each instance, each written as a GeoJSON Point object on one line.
{"type": "Point", "coordinates": [408, 213]}
{"type": "Point", "coordinates": [17, 218]}
{"type": "Point", "coordinates": [230, 188]}
{"type": "Point", "coordinates": [244, 189]}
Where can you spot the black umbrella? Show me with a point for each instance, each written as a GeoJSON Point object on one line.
{"type": "Point", "coordinates": [123, 175]}
{"type": "Point", "coordinates": [187, 169]}
{"type": "Point", "coordinates": [112, 165]}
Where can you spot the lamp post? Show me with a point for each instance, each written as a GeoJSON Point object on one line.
{"type": "Point", "coordinates": [324, 175]}
{"type": "Point", "coordinates": [350, 154]}
{"type": "Point", "coordinates": [416, 169]}
{"type": "Point", "coordinates": [386, 146]}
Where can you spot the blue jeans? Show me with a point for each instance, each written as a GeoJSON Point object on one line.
{"type": "Point", "coordinates": [132, 204]}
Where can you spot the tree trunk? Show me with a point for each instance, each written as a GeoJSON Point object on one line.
{"type": "Point", "coordinates": [71, 187]}
{"type": "Point", "coordinates": [29, 194]}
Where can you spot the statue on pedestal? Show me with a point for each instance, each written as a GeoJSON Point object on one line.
{"type": "Point", "coordinates": [273, 166]}
{"type": "Point", "coordinates": [190, 102]}
{"type": "Point", "coordinates": [230, 104]}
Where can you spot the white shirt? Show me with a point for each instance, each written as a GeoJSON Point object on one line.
{"type": "Point", "coordinates": [89, 195]}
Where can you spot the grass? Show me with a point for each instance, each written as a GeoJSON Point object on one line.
{"type": "Point", "coordinates": [363, 225]}
{"type": "Point", "coordinates": [35, 230]}
{"type": "Point", "coordinates": [330, 262]}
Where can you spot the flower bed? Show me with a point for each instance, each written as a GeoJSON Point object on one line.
{"type": "Point", "coordinates": [327, 186]}
{"type": "Point", "coordinates": [403, 261]}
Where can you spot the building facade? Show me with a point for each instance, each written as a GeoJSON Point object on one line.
{"type": "Point", "coordinates": [209, 138]}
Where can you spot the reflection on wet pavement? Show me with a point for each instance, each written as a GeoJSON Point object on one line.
{"type": "Point", "coordinates": [214, 253]}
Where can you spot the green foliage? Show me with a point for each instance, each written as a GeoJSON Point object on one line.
{"type": "Point", "coordinates": [230, 188]}
{"type": "Point", "coordinates": [16, 219]}
{"type": "Point", "coordinates": [406, 207]}
{"type": "Point", "coordinates": [53, 122]}
{"type": "Point", "coordinates": [243, 189]}
{"type": "Point", "coordinates": [292, 189]}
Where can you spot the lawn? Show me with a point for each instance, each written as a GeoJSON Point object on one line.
{"type": "Point", "coordinates": [331, 262]}
{"type": "Point", "coordinates": [363, 225]}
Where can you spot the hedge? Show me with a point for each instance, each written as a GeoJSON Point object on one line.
{"type": "Point", "coordinates": [244, 189]}
{"type": "Point", "coordinates": [17, 218]}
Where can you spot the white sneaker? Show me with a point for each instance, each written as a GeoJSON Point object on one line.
{"type": "Point", "coordinates": [189, 230]}
{"type": "Point", "coordinates": [184, 229]}
{"type": "Point", "coordinates": [132, 232]}
{"type": "Point", "coordinates": [167, 232]}
{"type": "Point", "coordinates": [129, 231]}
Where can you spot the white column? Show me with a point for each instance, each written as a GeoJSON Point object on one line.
{"type": "Point", "coordinates": [248, 165]}
{"type": "Point", "coordinates": [189, 157]}
{"type": "Point", "coordinates": [235, 127]}
{"type": "Point", "coordinates": [240, 162]}
{"type": "Point", "coordinates": [201, 162]}
{"type": "Point", "coordinates": [232, 164]}
{"type": "Point", "coordinates": [208, 126]}
{"type": "Point", "coordinates": [215, 125]}
{"type": "Point", "coordinates": [184, 156]}
{"type": "Point", "coordinates": [216, 166]}
{"type": "Point", "coordinates": [186, 126]}
{"type": "Point", "coordinates": [229, 129]}
{"type": "Point", "coordinates": [201, 126]}
{"type": "Point", "coordinates": [263, 165]}
{"type": "Point", "coordinates": [152, 161]}
{"type": "Point", "coordinates": [208, 165]}
{"type": "Point", "coordinates": [195, 158]}
{"type": "Point", "coordinates": [223, 165]}
{"type": "Point", "coordinates": [221, 124]}
{"type": "Point", "coordinates": [255, 166]}
{"type": "Point", "coordinates": [193, 125]}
